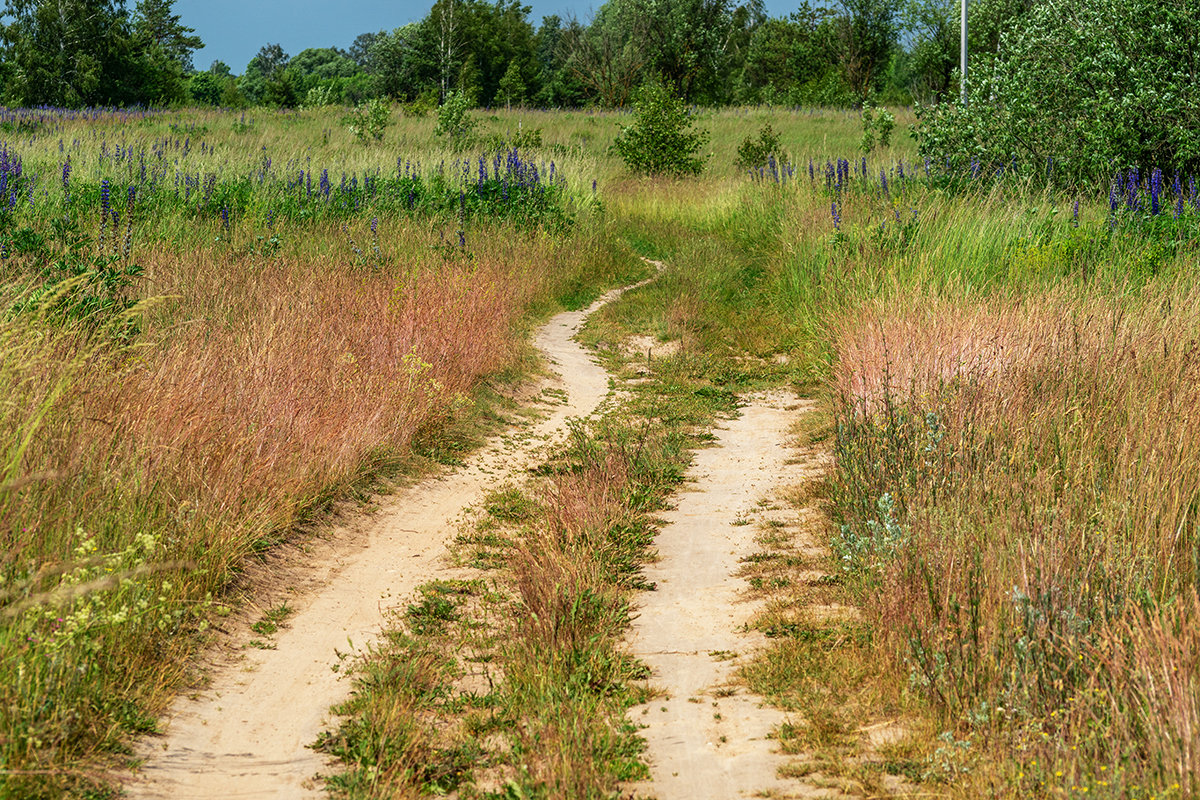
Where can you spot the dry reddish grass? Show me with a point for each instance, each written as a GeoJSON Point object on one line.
{"type": "Point", "coordinates": [259, 388]}
{"type": "Point", "coordinates": [1044, 455]}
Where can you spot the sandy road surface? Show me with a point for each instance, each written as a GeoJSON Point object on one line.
{"type": "Point", "coordinates": [247, 734]}
{"type": "Point", "coordinates": [707, 740]}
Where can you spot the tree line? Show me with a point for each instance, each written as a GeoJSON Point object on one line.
{"type": "Point", "coordinates": [710, 52]}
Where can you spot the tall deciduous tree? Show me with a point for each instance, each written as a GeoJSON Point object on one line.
{"type": "Point", "coordinates": [68, 53]}
{"type": "Point", "coordinates": [868, 32]}
{"type": "Point", "coordinates": [265, 69]}
{"type": "Point", "coordinates": [165, 46]}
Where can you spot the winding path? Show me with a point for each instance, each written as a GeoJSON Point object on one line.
{"type": "Point", "coordinates": [247, 734]}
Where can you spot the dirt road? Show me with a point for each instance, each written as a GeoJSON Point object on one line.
{"type": "Point", "coordinates": [247, 735]}
{"type": "Point", "coordinates": [707, 740]}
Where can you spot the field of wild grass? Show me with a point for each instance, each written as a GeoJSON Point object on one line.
{"type": "Point", "coordinates": [215, 323]}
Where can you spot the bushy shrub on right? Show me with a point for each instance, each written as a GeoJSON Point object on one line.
{"type": "Point", "coordinates": [1079, 90]}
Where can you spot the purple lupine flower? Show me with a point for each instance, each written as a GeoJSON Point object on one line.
{"type": "Point", "coordinates": [883, 181]}
{"type": "Point", "coordinates": [1155, 191]}
{"type": "Point", "coordinates": [104, 210]}
{"type": "Point", "coordinates": [225, 217]}
{"type": "Point", "coordinates": [837, 215]}
{"type": "Point", "coordinates": [1075, 213]}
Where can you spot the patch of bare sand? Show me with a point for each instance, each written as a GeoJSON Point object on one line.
{"type": "Point", "coordinates": [705, 737]}
{"type": "Point", "coordinates": [248, 733]}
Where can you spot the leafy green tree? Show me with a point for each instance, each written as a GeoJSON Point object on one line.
{"type": "Point", "coordinates": [68, 53]}
{"type": "Point", "coordinates": [692, 45]}
{"type": "Point", "coordinates": [206, 88]}
{"type": "Point", "coordinates": [933, 28]}
{"type": "Point", "coordinates": [1073, 93]}
{"type": "Point", "coordinates": [164, 46]}
{"type": "Point", "coordinates": [512, 87]}
{"type": "Point", "coordinates": [369, 121]}
{"type": "Point", "coordinates": [476, 41]}
{"type": "Point", "coordinates": [267, 67]}
{"type": "Point", "coordinates": [868, 33]}
{"type": "Point", "coordinates": [325, 74]}
{"type": "Point", "coordinates": [322, 63]}
{"type": "Point", "coordinates": [454, 120]}
{"type": "Point", "coordinates": [556, 84]}
{"type": "Point", "coordinates": [360, 48]}
{"type": "Point", "coordinates": [222, 76]}
{"type": "Point", "coordinates": [787, 59]}
{"type": "Point", "coordinates": [604, 58]}
{"type": "Point", "coordinates": [402, 62]}
{"type": "Point", "coordinates": [164, 33]}
{"type": "Point", "coordinates": [661, 140]}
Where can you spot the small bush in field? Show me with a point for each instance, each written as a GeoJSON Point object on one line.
{"type": "Point", "coordinates": [661, 140]}
{"type": "Point", "coordinates": [369, 120]}
{"type": "Point", "coordinates": [877, 126]}
{"type": "Point", "coordinates": [454, 120]}
{"type": "Point", "coordinates": [753, 153]}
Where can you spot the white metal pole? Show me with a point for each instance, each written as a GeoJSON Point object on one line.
{"type": "Point", "coordinates": [963, 54]}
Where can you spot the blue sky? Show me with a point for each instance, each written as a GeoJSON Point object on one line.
{"type": "Point", "coordinates": [234, 30]}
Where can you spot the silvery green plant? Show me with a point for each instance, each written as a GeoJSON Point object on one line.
{"type": "Point", "coordinates": [454, 120]}
{"type": "Point", "coordinates": [876, 544]}
{"type": "Point", "coordinates": [369, 120]}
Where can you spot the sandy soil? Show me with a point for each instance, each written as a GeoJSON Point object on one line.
{"type": "Point", "coordinates": [705, 738]}
{"type": "Point", "coordinates": [247, 734]}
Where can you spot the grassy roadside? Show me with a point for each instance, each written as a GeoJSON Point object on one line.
{"type": "Point", "coordinates": [182, 390]}
{"type": "Point", "coordinates": [1012, 504]}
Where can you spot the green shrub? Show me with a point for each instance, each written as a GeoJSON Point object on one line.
{"type": "Point", "coordinates": [1079, 94]}
{"type": "Point", "coordinates": [754, 153]}
{"type": "Point", "coordinates": [320, 96]}
{"type": "Point", "coordinates": [877, 126]}
{"type": "Point", "coordinates": [454, 120]}
{"type": "Point", "coordinates": [660, 140]}
{"type": "Point", "coordinates": [369, 120]}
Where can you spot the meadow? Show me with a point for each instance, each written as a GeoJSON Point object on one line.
{"type": "Point", "coordinates": [218, 323]}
